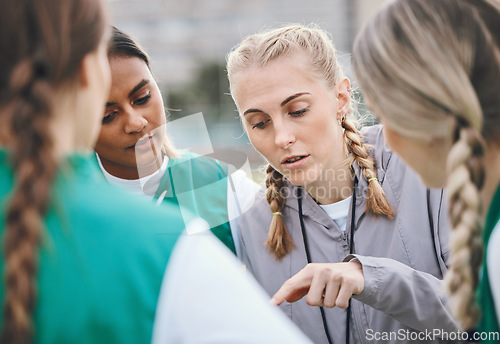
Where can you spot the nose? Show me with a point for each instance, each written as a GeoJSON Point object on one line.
{"type": "Point", "coordinates": [134, 122]}
{"type": "Point", "coordinates": [284, 136]}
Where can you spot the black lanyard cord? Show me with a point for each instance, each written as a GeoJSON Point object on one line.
{"type": "Point", "coordinates": [351, 250]}
{"type": "Point", "coordinates": [306, 247]}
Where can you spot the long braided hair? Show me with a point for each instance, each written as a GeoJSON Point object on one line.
{"type": "Point", "coordinates": [260, 49]}
{"type": "Point", "coordinates": [42, 44]}
{"type": "Point", "coordinates": [432, 69]}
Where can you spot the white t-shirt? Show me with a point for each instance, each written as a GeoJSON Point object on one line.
{"type": "Point", "coordinates": [241, 192]}
{"type": "Point", "coordinates": [338, 212]}
{"type": "Point", "coordinates": [206, 297]}
{"type": "Point", "coordinates": [143, 186]}
{"type": "Point", "coordinates": [492, 259]}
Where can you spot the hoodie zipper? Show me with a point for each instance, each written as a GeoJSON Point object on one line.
{"type": "Point", "coordinates": [344, 240]}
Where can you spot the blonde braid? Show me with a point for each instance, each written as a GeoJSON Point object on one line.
{"type": "Point", "coordinates": [466, 178]}
{"type": "Point", "coordinates": [278, 241]}
{"type": "Point", "coordinates": [423, 64]}
{"type": "Point", "coordinates": [376, 202]}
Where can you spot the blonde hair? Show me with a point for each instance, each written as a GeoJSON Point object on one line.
{"type": "Point", "coordinates": [258, 50]}
{"type": "Point", "coordinates": [168, 148]}
{"type": "Point", "coordinates": [432, 68]}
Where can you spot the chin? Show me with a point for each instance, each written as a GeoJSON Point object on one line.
{"type": "Point", "coordinates": [148, 159]}
{"type": "Point", "coordinates": [299, 179]}
{"type": "Point", "coordinates": [433, 181]}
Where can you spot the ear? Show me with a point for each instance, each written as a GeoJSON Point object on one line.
{"type": "Point", "coordinates": [343, 95]}
{"type": "Point", "coordinates": [447, 132]}
{"type": "Point", "coordinates": [436, 142]}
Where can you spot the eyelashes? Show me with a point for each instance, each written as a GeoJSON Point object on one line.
{"type": "Point", "coordinates": [143, 100]}
{"type": "Point", "coordinates": [295, 114]}
{"type": "Point", "coordinates": [140, 101]}
{"type": "Point", "coordinates": [260, 125]}
{"type": "Point", "coordinates": [108, 118]}
{"type": "Point", "coordinates": [298, 113]}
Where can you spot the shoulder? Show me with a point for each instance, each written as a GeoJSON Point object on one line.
{"type": "Point", "coordinates": [373, 134]}
{"type": "Point", "coordinates": [392, 171]}
{"type": "Point", "coordinates": [200, 167]}
{"type": "Point", "coordinates": [257, 216]}
{"type": "Point", "coordinates": [98, 204]}
{"type": "Point", "coordinates": [386, 161]}
{"type": "Point", "coordinates": [196, 161]}
{"type": "Point", "coordinates": [374, 137]}
{"type": "Point", "coordinates": [243, 184]}
{"type": "Point", "coordinates": [242, 191]}
{"type": "Point", "coordinates": [102, 220]}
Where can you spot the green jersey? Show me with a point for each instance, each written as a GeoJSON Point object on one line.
{"type": "Point", "coordinates": [102, 257]}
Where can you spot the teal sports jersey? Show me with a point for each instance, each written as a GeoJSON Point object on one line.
{"type": "Point", "coordinates": [198, 186]}
{"type": "Point", "coordinates": [489, 321]}
{"type": "Point", "coordinates": [102, 257]}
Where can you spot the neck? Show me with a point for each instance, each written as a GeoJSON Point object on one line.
{"type": "Point", "coordinates": [65, 139]}
{"type": "Point", "coordinates": [130, 172]}
{"type": "Point", "coordinates": [332, 190]}
{"type": "Point", "coordinates": [73, 128]}
{"type": "Point", "coordinates": [492, 177]}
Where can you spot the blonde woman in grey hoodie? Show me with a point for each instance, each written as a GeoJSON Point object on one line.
{"type": "Point", "coordinates": [341, 216]}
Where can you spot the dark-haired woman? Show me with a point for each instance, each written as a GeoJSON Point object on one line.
{"type": "Point", "coordinates": [135, 153]}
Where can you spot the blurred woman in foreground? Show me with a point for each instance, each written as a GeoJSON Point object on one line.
{"type": "Point", "coordinates": [430, 71]}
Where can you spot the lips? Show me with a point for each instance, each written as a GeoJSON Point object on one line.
{"type": "Point", "coordinates": [294, 161]}
{"type": "Point", "coordinates": [143, 143]}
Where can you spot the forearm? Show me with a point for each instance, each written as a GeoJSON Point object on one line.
{"type": "Point", "coordinates": [414, 298]}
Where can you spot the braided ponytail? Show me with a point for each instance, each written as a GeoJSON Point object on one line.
{"type": "Point", "coordinates": [279, 241]}
{"type": "Point", "coordinates": [466, 178]}
{"type": "Point", "coordinates": [376, 202]}
{"type": "Point", "coordinates": [434, 93]}
{"type": "Point", "coordinates": [46, 43]}
{"type": "Point", "coordinates": [34, 165]}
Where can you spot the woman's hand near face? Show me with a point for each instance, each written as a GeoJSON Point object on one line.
{"type": "Point", "coordinates": [325, 284]}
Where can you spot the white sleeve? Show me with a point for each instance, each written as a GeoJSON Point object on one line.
{"type": "Point", "coordinates": [492, 259]}
{"type": "Point", "coordinates": [206, 297]}
{"type": "Point", "coordinates": [241, 192]}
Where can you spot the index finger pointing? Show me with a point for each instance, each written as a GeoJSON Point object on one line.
{"type": "Point", "coordinates": [293, 289]}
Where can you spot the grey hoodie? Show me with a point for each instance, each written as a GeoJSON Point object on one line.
{"type": "Point", "coordinates": [403, 259]}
